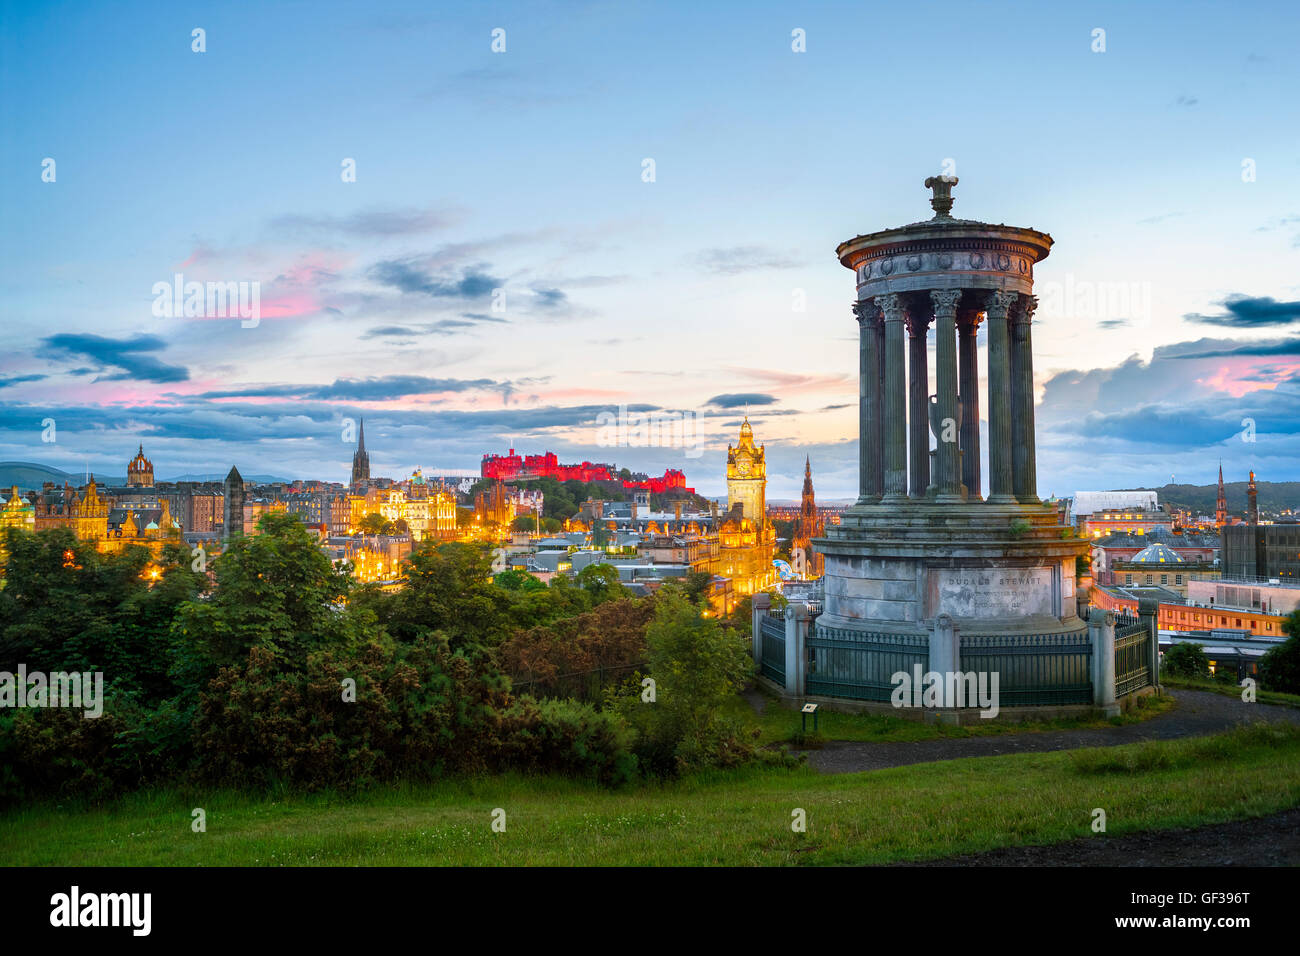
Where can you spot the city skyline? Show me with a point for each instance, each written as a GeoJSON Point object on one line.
{"type": "Point", "coordinates": [523, 171]}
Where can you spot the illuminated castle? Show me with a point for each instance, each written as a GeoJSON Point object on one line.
{"type": "Point", "coordinates": [512, 467]}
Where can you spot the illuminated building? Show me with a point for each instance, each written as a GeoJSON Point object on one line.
{"type": "Point", "coordinates": [746, 538]}
{"type": "Point", "coordinates": [86, 515]}
{"type": "Point", "coordinates": [510, 467]}
{"type": "Point", "coordinates": [808, 525]}
{"type": "Point", "coordinates": [17, 513]}
{"type": "Point", "coordinates": [150, 529]}
{"type": "Point", "coordinates": [429, 513]}
{"type": "Point", "coordinates": [493, 508]}
{"type": "Point", "coordinates": [139, 472]}
{"type": "Point", "coordinates": [747, 475]}
{"type": "Point", "coordinates": [1128, 520]}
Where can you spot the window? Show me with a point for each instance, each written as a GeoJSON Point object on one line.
{"type": "Point", "coordinates": [1148, 579]}
{"type": "Point", "coordinates": [1178, 579]}
{"type": "Point", "coordinates": [1164, 579]}
{"type": "Point", "coordinates": [1128, 579]}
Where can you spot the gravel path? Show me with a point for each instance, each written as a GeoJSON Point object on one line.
{"type": "Point", "coordinates": [1265, 841]}
{"type": "Point", "coordinates": [1198, 713]}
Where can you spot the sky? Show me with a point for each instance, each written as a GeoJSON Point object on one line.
{"type": "Point", "coordinates": [468, 247]}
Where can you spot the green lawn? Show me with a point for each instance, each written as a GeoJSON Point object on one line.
{"type": "Point", "coordinates": [1231, 690]}
{"type": "Point", "coordinates": [777, 723]}
{"type": "Point", "coordinates": [739, 817]}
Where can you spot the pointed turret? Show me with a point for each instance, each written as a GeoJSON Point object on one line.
{"type": "Point", "coordinates": [1221, 503]}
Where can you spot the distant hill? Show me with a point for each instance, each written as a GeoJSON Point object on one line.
{"type": "Point", "coordinates": [27, 474]}
{"type": "Point", "coordinates": [1200, 499]}
{"type": "Point", "coordinates": [31, 475]}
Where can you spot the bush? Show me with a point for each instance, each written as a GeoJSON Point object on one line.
{"type": "Point", "coordinates": [577, 740]}
{"type": "Point", "coordinates": [1279, 669]}
{"type": "Point", "coordinates": [1187, 660]}
{"type": "Point", "coordinates": [698, 666]}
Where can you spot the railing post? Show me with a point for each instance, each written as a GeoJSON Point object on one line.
{"type": "Point", "coordinates": [759, 605]}
{"type": "Point", "coordinates": [1101, 634]}
{"type": "Point", "coordinates": [797, 618]}
{"type": "Point", "coordinates": [1149, 612]}
{"type": "Point", "coordinates": [945, 658]}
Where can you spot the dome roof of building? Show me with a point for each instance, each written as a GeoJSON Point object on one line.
{"type": "Point", "coordinates": [1157, 554]}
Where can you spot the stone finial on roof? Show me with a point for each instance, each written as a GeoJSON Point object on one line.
{"type": "Point", "coordinates": [941, 202]}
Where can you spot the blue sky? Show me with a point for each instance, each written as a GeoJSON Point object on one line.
{"type": "Point", "coordinates": [522, 171]}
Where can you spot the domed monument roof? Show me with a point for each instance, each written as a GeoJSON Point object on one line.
{"type": "Point", "coordinates": [1157, 554]}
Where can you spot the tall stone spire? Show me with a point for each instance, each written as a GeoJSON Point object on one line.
{"type": "Point", "coordinates": [1221, 503]}
{"type": "Point", "coordinates": [360, 459]}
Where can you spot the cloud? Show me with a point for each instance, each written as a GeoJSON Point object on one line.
{"type": "Point", "coordinates": [19, 379]}
{"type": "Point", "coordinates": [405, 276]}
{"type": "Point", "coordinates": [1251, 312]}
{"type": "Point", "coordinates": [1186, 100]}
{"type": "Point", "coordinates": [122, 354]}
{"type": "Point", "coordinates": [369, 224]}
{"type": "Point", "coordinates": [740, 399]}
{"type": "Point", "coordinates": [737, 259]}
{"type": "Point", "coordinates": [389, 332]}
{"type": "Point", "coordinates": [550, 298]}
{"type": "Point", "coordinates": [1232, 348]}
{"type": "Point", "coordinates": [380, 388]}
{"type": "Point", "coordinates": [1113, 324]}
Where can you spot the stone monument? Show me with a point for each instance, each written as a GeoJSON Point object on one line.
{"type": "Point", "coordinates": [923, 544]}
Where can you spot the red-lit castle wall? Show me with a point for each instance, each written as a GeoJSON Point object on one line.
{"type": "Point", "coordinates": [511, 466]}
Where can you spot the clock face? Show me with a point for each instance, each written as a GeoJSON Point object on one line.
{"type": "Point", "coordinates": [742, 466]}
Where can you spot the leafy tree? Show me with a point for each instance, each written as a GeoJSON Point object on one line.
{"type": "Point", "coordinates": [65, 606]}
{"type": "Point", "coordinates": [601, 581]}
{"type": "Point", "coordinates": [448, 589]}
{"type": "Point", "coordinates": [610, 638]}
{"type": "Point", "coordinates": [277, 591]}
{"type": "Point", "coordinates": [1279, 669]}
{"type": "Point", "coordinates": [741, 618]}
{"type": "Point", "coordinates": [375, 523]}
{"type": "Point", "coordinates": [697, 586]}
{"type": "Point", "coordinates": [518, 581]}
{"type": "Point", "coordinates": [1187, 660]}
{"type": "Point", "coordinates": [698, 666]}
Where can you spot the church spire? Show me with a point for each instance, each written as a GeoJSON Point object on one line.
{"type": "Point", "coordinates": [1221, 502]}
{"type": "Point", "coordinates": [360, 459]}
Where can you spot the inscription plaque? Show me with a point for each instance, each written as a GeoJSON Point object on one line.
{"type": "Point", "coordinates": [993, 592]}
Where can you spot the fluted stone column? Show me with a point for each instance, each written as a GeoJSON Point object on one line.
{"type": "Point", "coordinates": [968, 321]}
{"type": "Point", "coordinates": [895, 407]}
{"type": "Point", "coordinates": [1025, 480]}
{"type": "Point", "coordinates": [917, 317]}
{"type": "Point", "coordinates": [870, 477]}
{"type": "Point", "coordinates": [948, 479]}
{"type": "Point", "coordinates": [1001, 488]}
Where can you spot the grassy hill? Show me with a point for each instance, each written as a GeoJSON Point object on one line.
{"type": "Point", "coordinates": [1273, 496]}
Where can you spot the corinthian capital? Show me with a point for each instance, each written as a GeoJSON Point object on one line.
{"type": "Point", "coordinates": [866, 312]}
{"type": "Point", "coordinates": [945, 301]}
{"type": "Point", "coordinates": [999, 303]}
{"type": "Point", "coordinates": [1024, 309]}
{"type": "Point", "coordinates": [892, 305]}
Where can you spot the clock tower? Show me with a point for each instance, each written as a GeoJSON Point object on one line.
{"type": "Point", "coordinates": [747, 476]}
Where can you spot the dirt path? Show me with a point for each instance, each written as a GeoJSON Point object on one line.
{"type": "Point", "coordinates": [1198, 713]}
{"type": "Point", "coordinates": [1264, 841]}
